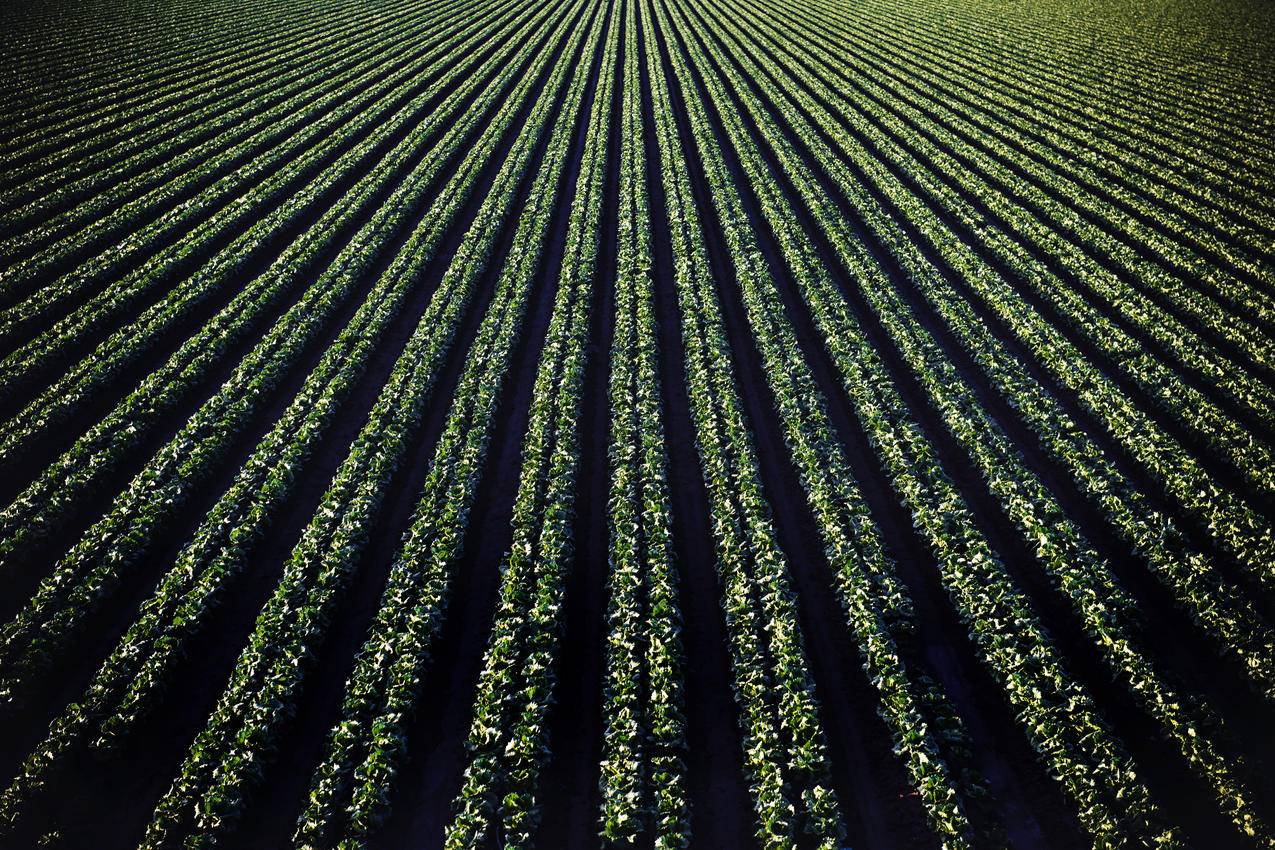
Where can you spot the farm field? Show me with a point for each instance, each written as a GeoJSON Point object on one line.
{"type": "Point", "coordinates": [605, 424]}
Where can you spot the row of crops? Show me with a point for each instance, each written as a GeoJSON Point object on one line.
{"type": "Point", "coordinates": [637, 423]}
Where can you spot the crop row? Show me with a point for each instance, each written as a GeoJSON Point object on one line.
{"type": "Point", "coordinates": [643, 779]}
{"type": "Point", "coordinates": [1199, 586]}
{"type": "Point", "coordinates": [389, 148]}
{"type": "Point", "coordinates": [1219, 100]}
{"type": "Point", "coordinates": [1106, 609]}
{"type": "Point", "coordinates": [998, 342]}
{"type": "Point", "coordinates": [1124, 193]}
{"type": "Point", "coordinates": [239, 178]}
{"type": "Point", "coordinates": [133, 676]}
{"type": "Point", "coordinates": [78, 168]}
{"type": "Point", "coordinates": [272, 211]}
{"type": "Point", "coordinates": [270, 673]}
{"type": "Point", "coordinates": [871, 594]}
{"type": "Point", "coordinates": [507, 741]}
{"type": "Point", "coordinates": [782, 739]}
{"type": "Point", "coordinates": [110, 96]}
{"type": "Point", "coordinates": [1039, 92]}
{"type": "Point", "coordinates": [90, 571]}
{"type": "Point", "coordinates": [1234, 521]}
{"type": "Point", "coordinates": [1205, 121]}
{"type": "Point", "coordinates": [1166, 271]}
{"type": "Point", "coordinates": [58, 202]}
{"type": "Point", "coordinates": [1082, 753]}
{"type": "Point", "coordinates": [366, 745]}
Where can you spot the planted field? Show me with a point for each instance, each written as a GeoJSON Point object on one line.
{"type": "Point", "coordinates": [637, 424]}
